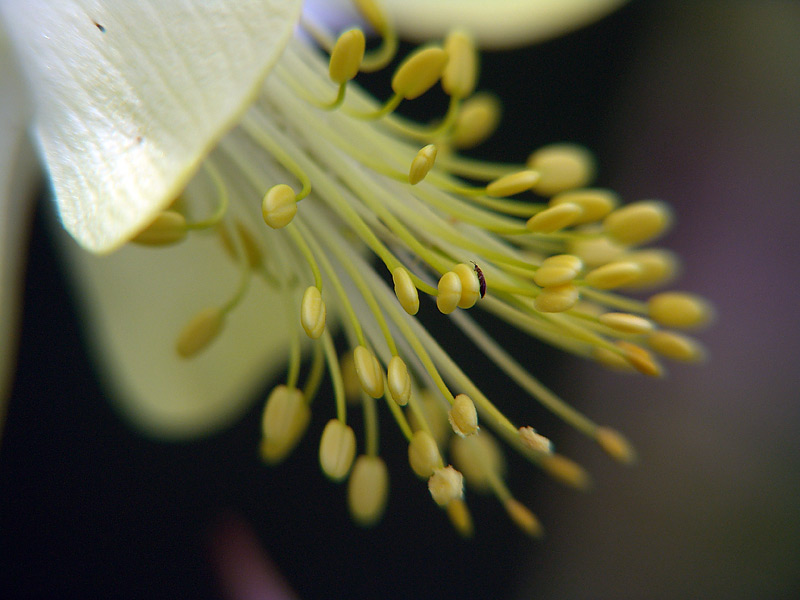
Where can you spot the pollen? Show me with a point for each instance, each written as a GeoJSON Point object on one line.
{"type": "Point", "coordinates": [463, 416]}
{"type": "Point", "coordinates": [446, 485]}
{"type": "Point", "coordinates": [535, 441]}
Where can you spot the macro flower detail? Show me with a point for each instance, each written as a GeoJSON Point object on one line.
{"type": "Point", "coordinates": [321, 195]}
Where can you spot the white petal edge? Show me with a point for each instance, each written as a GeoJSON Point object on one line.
{"type": "Point", "coordinates": [17, 181]}
{"type": "Point", "coordinates": [131, 96]}
{"type": "Point", "coordinates": [494, 23]}
{"type": "Point", "coordinates": [134, 304]}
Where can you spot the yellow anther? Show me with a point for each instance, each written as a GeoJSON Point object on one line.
{"type": "Point", "coordinates": [612, 275]}
{"type": "Point", "coordinates": [369, 371]}
{"type": "Point", "coordinates": [337, 448]}
{"type": "Point", "coordinates": [419, 72]}
{"type": "Point", "coordinates": [562, 167]}
{"type": "Point", "coordinates": [373, 14]}
{"type": "Point", "coordinates": [557, 298]}
{"type": "Point", "coordinates": [423, 454]}
{"type": "Point", "coordinates": [449, 292]}
{"type": "Point", "coordinates": [476, 121]}
{"type": "Point", "coordinates": [352, 384]}
{"type": "Point", "coordinates": [461, 72]}
{"type": "Point", "coordinates": [479, 458]}
{"type": "Point", "coordinates": [615, 445]}
{"type": "Point", "coordinates": [640, 359]}
{"type": "Point", "coordinates": [658, 267]}
{"type": "Point", "coordinates": [626, 323]}
{"type": "Point", "coordinates": [313, 312]}
{"type": "Point", "coordinates": [405, 290]}
{"type": "Point", "coordinates": [611, 360]}
{"type": "Point", "coordinates": [679, 309]}
{"type": "Point", "coordinates": [514, 183]}
{"type": "Point", "coordinates": [368, 490]}
{"type": "Point", "coordinates": [399, 380]}
{"type": "Point", "coordinates": [639, 222]}
{"type": "Point", "coordinates": [460, 517]}
{"type": "Point", "coordinates": [595, 203]}
{"type": "Point", "coordinates": [566, 471]}
{"type": "Point", "coordinates": [169, 227]}
{"type": "Point", "coordinates": [470, 285]}
{"type": "Point", "coordinates": [422, 163]}
{"type": "Point", "coordinates": [535, 441]}
{"type": "Point", "coordinates": [676, 346]}
{"type": "Point", "coordinates": [463, 416]}
{"type": "Point", "coordinates": [199, 332]}
{"type": "Point", "coordinates": [346, 56]}
{"type": "Point", "coordinates": [597, 251]}
{"type": "Point", "coordinates": [523, 518]}
{"type": "Point", "coordinates": [285, 419]}
{"type": "Point", "coordinates": [554, 218]}
{"type": "Point", "coordinates": [279, 206]}
{"type": "Point", "coordinates": [557, 270]}
{"type": "Point", "coordinates": [446, 485]}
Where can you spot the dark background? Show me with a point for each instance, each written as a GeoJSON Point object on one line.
{"type": "Point", "coordinates": [89, 508]}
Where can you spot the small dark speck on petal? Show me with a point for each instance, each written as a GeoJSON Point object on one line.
{"type": "Point", "coordinates": [100, 27]}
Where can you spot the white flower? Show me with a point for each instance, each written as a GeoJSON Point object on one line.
{"type": "Point", "coordinates": [156, 124]}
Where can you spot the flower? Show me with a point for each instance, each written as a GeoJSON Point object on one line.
{"type": "Point", "coordinates": [314, 175]}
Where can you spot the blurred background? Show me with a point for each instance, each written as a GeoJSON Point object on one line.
{"type": "Point", "coordinates": [695, 103]}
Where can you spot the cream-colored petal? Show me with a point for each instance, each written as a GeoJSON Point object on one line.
{"type": "Point", "coordinates": [17, 179]}
{"type": "Point", "coordinates": [130, 96]}
{"type": "Point", "coordinates": [496, 23]}
{"type": "Point", "coordinates": [135, 303]}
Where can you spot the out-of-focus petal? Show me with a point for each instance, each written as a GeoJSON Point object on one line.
{"type": "Point", "coordinates": [130, 96]}
{"type": "Point", "coordinates": [135, 303]}
{"type": "Point", "coordinates": [17, 178]}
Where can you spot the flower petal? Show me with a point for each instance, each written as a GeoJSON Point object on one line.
{"type": "Point", "coordinates": [496, 23]}
{"type": "Point", "coordinates": [135, 303]}
{"type": "Point", "coordinates": [130, 96]}
{"type": "Point", "coordinates": [17, 180]}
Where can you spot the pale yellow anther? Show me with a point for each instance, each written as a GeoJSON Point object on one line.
{"type": "Point", "coordinates": [279, 206]}
{"type": "Point", "coordinates": [615, 445]}
{"type": "Point", "coordinates": [463, 416]}
{"type": "Point", "coordinates": [405, 290]}
{"type": "Point", "coordinates": [337, 448]}
{"type": "Point", "coordinates": [199, 332]}
{"type": "Point", "coordinates": [460, 517]}
{"type": "Point", "coordinates": [612, 275]}
{"type": "Point", "coordinates": [419, 72]}
{"type": "Point", "coordinates": [313, 312]}
{"type": "Point", "coordinates": [368, 490]}
{"type": "Point", "coordinates": [399, 380]}
{"type": "Point", "coordinates": [596, 251]}
{"type": "Point", "coordinates": [461, 72]}
{"type": "Point", "coordinates": [511, 184]}
{"type": "Point", "coordinates": [557, 298]}
{"type": "Point", "coordinates": [535, 441]}
{"type": "Point", "coordinates": [423, 454]}
{"type": "Point", "coordinates": [285, 419]}
{"type": "Point", "coordinates": [422, 163]}
{"type": "Point", "coordinates": [626, 323]}
{"type": "Point", "coordinates": [478, 458]}
{"type": "Point", "coordinates": [562, 167]}
{"type": "Point", "coordinates": [639, 222]}
{"type": "Point", "coordinates": [431, 407]}
{"type": "Point", "coordinates": [679, 309]}
{"type": "Point", "coordinates": [449, 292]}
{"type": "Point", "coordinates": [470, 285]}
{"type": "Point", "coordinates": [676, 346]}
{"type": "Point", "coordinates": [641, 360]}
{"type": "Point", "coordinates": [352, 384]}
{"type": "Point", "coordinates": [557, 270]}
{"type": "Point", "coordinates": [523, 518]}
{"type": "Point", "coordinates": [169, 227]}
{"type": "Point", "coordinates": [554, 218]}
{"type": "Point", "coordinates": [346, 56]}
{"type": "Point", "coordinates": [566, 471]}
{"type": "Point", "coordinates": [476, 121]}
{"type": "Point", "coordinates": [373, 14]}
{"type": "Point", "coordinates": [446, 485]}
{"type": "Point", "coordinates": [369, 371]}
{"type": "Point", "coordinates": [611, 360]}
{"type": "Point", "coordinates": [596, 203]}
{"type": "Point", "coordinates": [658, 267]}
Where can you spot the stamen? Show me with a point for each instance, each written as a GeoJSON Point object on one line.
{"type": "Point", "coordinates": [337, 448]}
{"type": "Point", "coordinates": [523, 518]}
{"type": "Point", "coordinates": [368, 490]}
{"type": "Point", "coordinates": [640, 359]}
{"type": "Point", "coordinates": [535, 441]}
{"type": "Point", "coordinates": [679, 309]}
{"type": "Point", "coordinates": [562, 167]}
{"type": "Point", "coordinates": [626, 323]}
{"type": "Point", "coordinates": [422, 163]}
{"type": "Point", "coordinates": [199, 332]}
{"type": "Point", "coordinates": [557, 298]}
{"type": "Point", "coordinates": [554, 218]}
{"type": "Point", "coordinates": [615, 445]}
{"type": "Point", "coordinates": [470, 285]}
{"type": "Point", "coordinates": [312, 312]}
{"type": "Point", "coordinates": [285, 420]}
{"type": "Point", "coordinates": [512, 184]}
{"type": "Point", "coordinates": [369, 371]}
{"type": "Point", "coordinates": [419, 72]}
{"type": "Point", "coordinates": [347, 55]}
{"type": "Point", "coordinates": [477, 120]}
{"type": "Point", "coordinates": [460, 517]}
{"type": "Point", "coordinates": [446, 485]}
{"type": "Point", "coordinates": [169, 227]}
{"type": "Point", "coordinates": [461, 72]}
{"type": "Point", "coordinates": [405, 290]}
{"type": "Point", "coordinates": [399, 381]}
{"type": "Point", "coordinates": [612, 275]}
{"type": "Point", "coordinates": [279, 206]}
{"type": "Point", "coordinates": [449, 293]}
{"type": "Point", "coordinates": [676, 346]}
{"type": "Point", "coordinates": [639, 222]}
{"type": "Point", "coordinates": [595, 203]}
{"type": "Point", "coordinates": [423, 454]}
{"type": "Point", "coordinates": [463, 416]}
{"type": "Point", "coordinates": [377, 18]}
